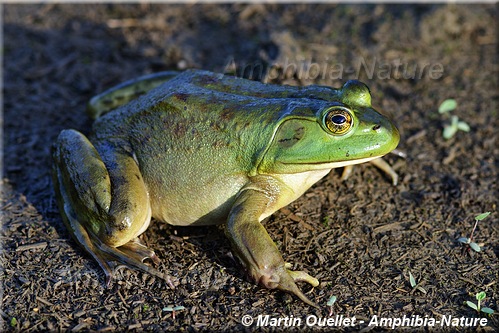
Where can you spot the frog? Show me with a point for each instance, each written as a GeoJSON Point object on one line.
{"type": "Point", "coordinates": [196, 148]}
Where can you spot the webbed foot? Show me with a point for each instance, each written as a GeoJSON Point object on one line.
{"type": "Point", "coordinates": [132, 254]}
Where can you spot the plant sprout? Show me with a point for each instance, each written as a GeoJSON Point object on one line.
{"type": "Point", "coordinates": [479, 297]}
{"type": "Point", "coordinates": [474, 246]}
{"type": "Point", "coordinates": [330, 303]}
{"type": "Point", "coordinates": [455, 124]}
{"type": "Point", "coordinates": [173, 309]}
{"type": "Point", "coordinates": [415, 285]}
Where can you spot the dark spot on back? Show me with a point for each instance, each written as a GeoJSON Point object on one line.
{"type": "Point", "coordinates": [227, 115]}
{"type": "Point", "coordinates": [205, 80]}
{"type": "Point", "coordinates": [181, 96]}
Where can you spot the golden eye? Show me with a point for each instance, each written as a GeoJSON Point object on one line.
{"type": "Point", "coordinates": [338, 121]}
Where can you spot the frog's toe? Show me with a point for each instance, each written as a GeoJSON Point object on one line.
{"type": "Point", "coordinates": [386, 168]}
{"type": "Point", "coordinates": [135, 249]}
{"type": "Point", "coordinates": [380, 164]}
{"type": "Point", "coordinates": [347, 171]}
{"type": "Point", "coordinates": [285, 280]}
{"type": "Point", "coordinates": [301, 276]}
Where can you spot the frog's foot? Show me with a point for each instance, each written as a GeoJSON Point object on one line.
{"type": "Point", "coordinates": [380, 163]}
{"type": "Point", "coordinates": [138, 253]}
{"type": "Point", "coordinates": [132, 254]}
{"type": "Point", "coordinates": [284, 279]}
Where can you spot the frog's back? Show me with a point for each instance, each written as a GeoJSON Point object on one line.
{"type": "Point", "coordinates": [201, 113]}
{"type": "Point", "coordinates": [203, 132]}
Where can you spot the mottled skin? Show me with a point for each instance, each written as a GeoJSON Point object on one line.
{"type": "Point", "coordinates": [201, 148]}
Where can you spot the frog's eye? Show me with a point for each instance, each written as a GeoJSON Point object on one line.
{"type": "Point", "coordinates": [338, 121]}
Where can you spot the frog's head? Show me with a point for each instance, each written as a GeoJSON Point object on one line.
{"type": "Point", "coordinates": [341, 131]}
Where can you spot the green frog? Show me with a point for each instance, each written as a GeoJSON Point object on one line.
{"type": "Point", "coordinates": [201, 148]}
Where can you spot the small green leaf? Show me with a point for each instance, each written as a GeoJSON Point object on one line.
{"type": "Point", "coordinates": [487, 310]}
{"type": "Point", "coordinates": [449, 132]}
{"type": "Point", "coordinates": [463, 126]}
{"type": "Point", "coordinates": [13, 322]}
{"type": "Point", "coordinates": [331, 301]}
{"type": "Point", "coordinates": [412, 280]}
{"type": "Point", "coordinates": [474, 246]}
{"type": "Point", "coordinates": [480, 296]}
{"type": "Point", "coordinates": [464, 240]}
{"type": "Point", "coordinates": [482, 216]}
{"type": "Point", "coordinates": [421, 289]}
{"type": "Point", "coordinates": [471, 305]}
{"type": "Point", "coordinates": [171, 308]}
{"type": "Point", "coordinates": [447, 106]}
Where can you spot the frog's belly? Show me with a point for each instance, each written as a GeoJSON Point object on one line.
{"type": "Point", "coordinates": [195, 201]}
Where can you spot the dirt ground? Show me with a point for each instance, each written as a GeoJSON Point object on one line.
{"type": "Point", "coordinates": [360, 237]}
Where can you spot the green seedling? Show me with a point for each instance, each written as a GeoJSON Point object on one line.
{"type": "Point", "coordinates": [465, 240]}
{"type": "Point", "coordinates": [13, 322]}
{"type": "Point", "coordinates": [325, 221]}
{"type": "Point", "coordinates": [447, 106]}
{"type": "Point", "coordinates": [173, 309]}
{"type": "Point", "coordinates": [479, 297]}
{"type": "Point", "coordinates": [414, 285]}
{"type": "Point", "coordinates": [330, 303]}
{"type": "Point", "coordinates": [455, 124]}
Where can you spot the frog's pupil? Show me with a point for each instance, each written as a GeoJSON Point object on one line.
{"type": "Point", "coordinates": [338, 119]}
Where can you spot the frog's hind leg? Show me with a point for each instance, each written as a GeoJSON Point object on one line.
{"type": "Point", "coordinates": [104, 221]}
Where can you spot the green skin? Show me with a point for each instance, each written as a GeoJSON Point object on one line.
{"type": "Point", "coordinates": [199, 148]}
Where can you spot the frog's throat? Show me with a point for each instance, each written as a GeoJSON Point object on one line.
{"type": "Point", "coordinates": [332, 165]}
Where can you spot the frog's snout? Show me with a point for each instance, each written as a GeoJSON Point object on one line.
{"type": "Point", "coordinates": [383, 129]}
{"type": "Point", "coordinates": [391, 132]}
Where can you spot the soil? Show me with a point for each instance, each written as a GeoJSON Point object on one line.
{"type": "Point", "coordinates": [360, 237]}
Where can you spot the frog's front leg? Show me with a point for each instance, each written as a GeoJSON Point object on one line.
{"type": "Point", "coordinates": [104, 202]}
{"type": "Point", "coordinates": [253, 245]}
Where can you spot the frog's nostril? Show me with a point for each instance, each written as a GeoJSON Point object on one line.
{"type": "Point", "coordinates": [376, 127]}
